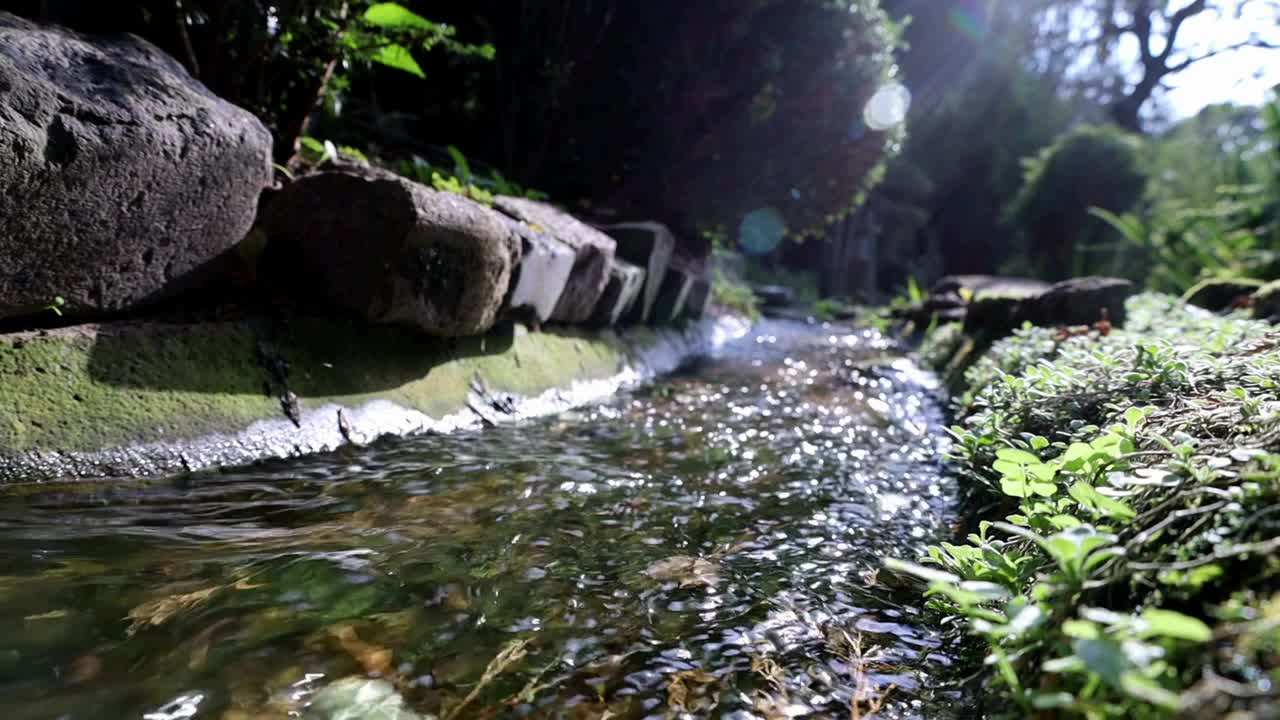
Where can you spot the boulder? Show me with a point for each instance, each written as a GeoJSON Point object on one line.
{"type": "Point", "coordinates": [992, 315]}
{"type": "Point", "coordinates": [1266, 302]}
{"type": "Point", "coordinates": [1079, 301]}
{"type": "Point", "coordinates": [620, 295]}
{"type": "Point", "coordinates": [648, 245]}
{"type": "Point", "coordinates": [391, 251]}
{"type": "Point", "coordinates": [593, 251]}
{"type": "Point", "coordinates": [539, 280]}
{"type": "Point", "coordinates": [121, 175]}
{"type": "Point", "coordinates": [1217, 294]}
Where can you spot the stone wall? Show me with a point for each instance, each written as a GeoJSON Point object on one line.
{"type": "Point", "coordinates": [343, 305]}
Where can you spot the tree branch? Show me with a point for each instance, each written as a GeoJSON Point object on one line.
{"type": "Point", "coordinates": [1175, 24]}
{"type": "Point", "coordinates": [1142, 29]}
{"type": "Point", "coordinates": [1251, 42]}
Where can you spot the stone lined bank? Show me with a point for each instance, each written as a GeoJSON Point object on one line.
{"type": "Point", "coordinates": [377, 305]}
{"type": "Point", "coordinates": [151, 399]}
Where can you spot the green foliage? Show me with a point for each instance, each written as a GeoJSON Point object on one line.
{"type": "Point", "coordinates": [386, 33]}
{"type": "Point", "coordinates": [735, 295]}
{"type": "Point", "coordinates": [318, 152]}
{"type": "Point", "coordinates": [1129, 476]}
{"type": "Point", "coordinates": [1190, 231]}
{"type": "Point", "coordinates": [460, 179]}
{"type": "Point", "coordinates": [1090, 166]}
{"type": "Point", "coordinates": [55, 305]}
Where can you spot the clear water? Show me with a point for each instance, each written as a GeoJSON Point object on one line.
{"type": "Point", "coordinates": [702, 547]}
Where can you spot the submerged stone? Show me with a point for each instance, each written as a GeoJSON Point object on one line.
{"type": "Point", "coordinates": [649, 245]}
{"type": "Point", "coordinates": [391, 251]}
{"type": "Point", "coordinates": [593, 250]}
{"type": "Point", "coordinates": [356, 698]}
{"type": "Point", "coordinates": [122, 176]}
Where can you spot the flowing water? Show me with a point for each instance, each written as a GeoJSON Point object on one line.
{"type": "Point", "coordinates": [705, 546]}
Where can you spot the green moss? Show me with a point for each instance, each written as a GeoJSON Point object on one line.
{"type": "Point", "coordinates": [87, 388]}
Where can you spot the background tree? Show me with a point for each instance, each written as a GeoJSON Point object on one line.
{"type": "Point", "coordinates": [1089, 167]}
{"type": "Point", "coordinates": [1124, 51]}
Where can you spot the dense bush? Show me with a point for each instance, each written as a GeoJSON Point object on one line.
{"type": "Point", "coordinates": [1090, 166]}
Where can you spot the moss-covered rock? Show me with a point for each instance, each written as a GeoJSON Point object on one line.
{"type": "Point", "coordinates": [150, 398]}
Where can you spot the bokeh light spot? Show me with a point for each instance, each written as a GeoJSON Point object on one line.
{"type": "Point", "coordinates": [888, 107]}
{"type": "Point", "coordinates": [761, 231]}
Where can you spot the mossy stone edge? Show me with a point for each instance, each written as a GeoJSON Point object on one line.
{"type": "Point", "coordinates": [146, 399]}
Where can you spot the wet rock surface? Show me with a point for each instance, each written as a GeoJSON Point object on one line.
{"type": "Point", "coordinates": [543, 272]}
{"type": "Point", "coordinates": [122, 175]}
{"type": "Point", "coordinates": [623, 291]}
{"type": "Point", "coordinates": [593, 250]}
{"type": "Point", "coordinates": [648, 245]}
{"type": "Point", "coordinates": [391, 251]}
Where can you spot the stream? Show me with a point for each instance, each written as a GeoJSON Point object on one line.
{"type": "Point", "coordinates": [706, 545]}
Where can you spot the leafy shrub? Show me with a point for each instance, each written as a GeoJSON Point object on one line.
{"type": "Point", "coordinates": [1238, 235]}
{"type": "Point", "coordinates": [1091, 166]}
{"type": "Point", "coordinates": [460, 179]}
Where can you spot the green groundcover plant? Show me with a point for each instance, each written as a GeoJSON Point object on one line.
{"type": "Point", "coordinates": [1123, 563]}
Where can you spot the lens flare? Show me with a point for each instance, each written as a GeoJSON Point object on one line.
{"type": "Point", "coordinates": [968, 21]}
{"type": "Point", "coordinates": [761, 231]}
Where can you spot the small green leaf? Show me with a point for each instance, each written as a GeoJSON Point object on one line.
{"type": "Point", "coordinates": [1017, 456]}
{"type": "Point", "coordinates": [1015, 487]}
{"type": "Point", "coordinates": [1082, 629]}
{"type": "Point", "coordinates": [1010, 470]}
{"type": "Point", "coordinates": [1104, 657]}
{"type": "Point", "coordinates": [1144, 688]}
{"type": "Point", "coordinates": [398, 57]}
{"type": "Point", "coordinates": [1042, 471]}
{"type": "Point", "coordinates": [1039, 443]}
{"type": "Point", "coordinates": [1170, 624]}
{"type": "Point", "coordinates": [395, 15]}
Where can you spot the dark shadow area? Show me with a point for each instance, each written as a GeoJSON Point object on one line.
{"type": "Point", "coordinates": [316, 356]}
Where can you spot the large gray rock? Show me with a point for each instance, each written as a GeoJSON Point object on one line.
{"type": "Point", "coordinates": [120, 175]}
{"type": "Point", "coordinates": [593, 251]}
{"type": "Point", "coordinates": [648, 245]}
{"type": "Point", "coordinates": [392, 251]}
{"type": "Point", "coordinates": [622, 292]}
{"type": "Point", "coordinates": [539, 280]}
{"type": "Point", "coordinates": [1079, 301]}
